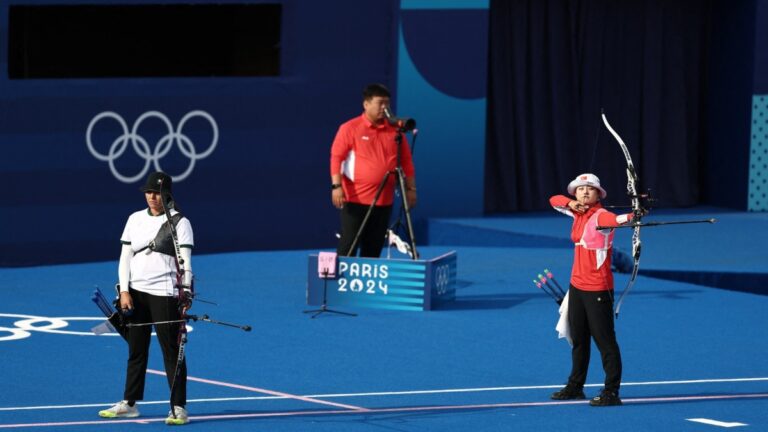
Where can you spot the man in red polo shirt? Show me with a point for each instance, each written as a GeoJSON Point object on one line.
{"type": "Point", "coordinates": [364, 150]}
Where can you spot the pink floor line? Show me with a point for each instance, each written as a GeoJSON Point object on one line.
{"type": "Point", "coordinates": [269, 392]}
{"type": "Point", "coordinates": [392, 410]}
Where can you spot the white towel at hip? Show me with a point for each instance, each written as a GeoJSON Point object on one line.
{"type": "Point", "coordinates": [562, 327]}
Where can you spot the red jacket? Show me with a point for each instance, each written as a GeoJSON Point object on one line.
{"type": "Point", "coordinates": [368, 151]}
{"type": "Point", "coordinates": [591, 268]}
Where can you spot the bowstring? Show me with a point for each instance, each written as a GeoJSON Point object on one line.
{"type": "Point", "coordinates": [594, 147]}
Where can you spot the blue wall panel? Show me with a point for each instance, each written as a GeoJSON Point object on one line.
{"type": "Point", "coordinates": [265, 185]}
{"type": "Point", "coordinates": [757, 199]}
{"type": "Point", "coordinates": [441, 82]}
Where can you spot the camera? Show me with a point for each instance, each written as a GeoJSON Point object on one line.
{"type": "Point", "coordinates": [403, 123]}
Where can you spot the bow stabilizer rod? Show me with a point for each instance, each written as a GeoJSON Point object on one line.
{"type": "Point", "coordinates": [195, 318]}
{"type": "Point", "coordinates": [205, 318]}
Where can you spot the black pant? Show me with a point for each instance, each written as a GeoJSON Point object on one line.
{"type": "Point", "coordinates": [372, 238]}
{"type": "Point", "coordinates": [149, 308]}
{"type": "Point", "coordinates": [590, 314]}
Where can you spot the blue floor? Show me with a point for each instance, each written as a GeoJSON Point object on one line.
{"type": "Point", "coordinates": [486, 362]}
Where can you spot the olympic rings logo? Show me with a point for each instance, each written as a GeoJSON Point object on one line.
{"type": "Point", "coordinates": [142, 148]}
{"type": "Point", "coordinates": [27, 324]}
{"type": "Point", "coordinates": [442, 277]}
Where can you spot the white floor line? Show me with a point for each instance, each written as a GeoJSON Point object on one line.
{"type": "Point", "coordinates": [265, 391]}
{"type": "Point", "coordinates": [396, 393]}
{"type": "Point", "coordinates": [717, 422]}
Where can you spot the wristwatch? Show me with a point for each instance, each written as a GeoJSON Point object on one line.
{"type": "Point", "coordinates": [335, 186]}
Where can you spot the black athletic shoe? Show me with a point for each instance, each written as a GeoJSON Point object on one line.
{"type": "Point", "coordinates": [606, 398]}
{"type": "Point", "coordinates": [568, 393]}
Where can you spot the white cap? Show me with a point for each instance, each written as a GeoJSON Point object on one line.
{"type": "Point", "coordinates": [586, 179]}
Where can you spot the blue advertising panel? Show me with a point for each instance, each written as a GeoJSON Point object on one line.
{"type": "Point", "coordinates": [409, 285]}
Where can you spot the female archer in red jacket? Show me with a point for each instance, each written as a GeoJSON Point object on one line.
{"type": "Point", "coordinates": [590, 296]}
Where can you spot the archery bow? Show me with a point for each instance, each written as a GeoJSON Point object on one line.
{"type": "Point", "coordinates": [185, 293]}
{"type": "Point", "coordinates": [638, 211]}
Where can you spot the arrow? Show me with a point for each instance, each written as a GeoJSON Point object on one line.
{"type": "Point", "coordinates": [648, 224]}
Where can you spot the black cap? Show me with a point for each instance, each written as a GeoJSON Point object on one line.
{"type": "Point", "coordinates": [156, 181]}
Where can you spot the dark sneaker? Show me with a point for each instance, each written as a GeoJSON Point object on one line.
{"type": "Point", "coordinates": [606, 398]}
{"type": "Point", "coordinates": [568, 393]}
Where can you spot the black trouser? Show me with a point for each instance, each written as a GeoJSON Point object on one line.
{"type": "Point", "coordinates": [150, 308]}
{"type": "Point", "coordinates": [590, 314]}
{"type": "Point", "coordinates": [372, 238]}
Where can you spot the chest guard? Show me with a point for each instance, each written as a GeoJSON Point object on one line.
{"type": "Point", "coordinates": [163, 242]}
{"type": "Point", "coordinates": [593, 239]}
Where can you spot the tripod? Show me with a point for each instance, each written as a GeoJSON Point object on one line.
{"type": "Point", "coordinates": [400, 180]}
{"type": "Point", "coordinates": [324, 306]}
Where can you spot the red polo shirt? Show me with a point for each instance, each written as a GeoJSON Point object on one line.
{"type": "Point", "coordinates": [368, 151]}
